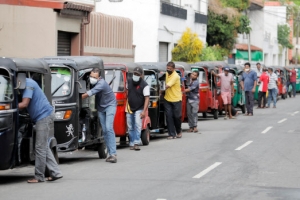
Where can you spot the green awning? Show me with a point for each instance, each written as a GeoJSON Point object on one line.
{"type": "Point", "coordinates": [255, 55]}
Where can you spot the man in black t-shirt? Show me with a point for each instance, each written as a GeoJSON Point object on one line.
{"type": "Point", "coordinates": [137, 105]}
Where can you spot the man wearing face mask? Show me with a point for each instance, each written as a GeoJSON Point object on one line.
{"type": "Point", "coordinates": [137, 105]}
{"type": "Point", "coordinates": [227, 90]}
{"type": "Point", "coordinates": [248, 84]}
{"type": "Point", "coordinates": [173, 98]}
{"type": "Point", "coordinates": [106, 107]}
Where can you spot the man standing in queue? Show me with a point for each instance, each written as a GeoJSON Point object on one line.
{"type": "Point", "coordinates": [173, 101]}
{"type": "Point", "coordinates": [192, 103]}
{"type": "Point", "coordinates": [227, 90]}
{"type": "Point", "coordinates": [137, 105]}
{"type": "Point", "coordinates": [292, 81]}
{"type": "Point", "coordinates": [248, 83]}
{"type": "Point", "coordinates": [106, 107]}
{"type": "Point", "coordinates": [42, 114]}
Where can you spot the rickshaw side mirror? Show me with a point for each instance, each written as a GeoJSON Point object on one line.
{"type": "Point", "coordinates": [163, 85]}
{"type": "Point", "coordinates": [21, 81]}
{"type": "Point", "coordinates": [81, 86]}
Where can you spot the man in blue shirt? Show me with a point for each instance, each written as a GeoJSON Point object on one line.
{"type": "Point", "coordinates": [192, 104]}
{"type": "Point", "coordinates": [106, 107]}
{"type": "Point", "coordinates": [248, 83]}
{"type": "Point", "coordinates": [41, 112]}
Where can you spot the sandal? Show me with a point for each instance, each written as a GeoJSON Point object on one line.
{"type": "Point", "coordinates": [53, 178]}
{"type": "Point", "coordinates": [136, 147]}
{"type": "Point", "coordinates": [250, 114]}
{"type": "Point", "coordinates": [112, 159]}
{"type": "Point", "coordinates": [232, 117]}
{"type": "Point", "coordinates": [190, 130]}
{"type": "Point", "coordinates": [34, 181]}
{"type": "Point", "coordinates": [131, 148]}
{"type": "Point", "coordinates": [195, 130]}
{"type": "Point", "coordinates": [225, 117]}
{"type": "Point", "coordinates": [171, 137]}
{"type": "Point", "coordinates": [179, 135]}
{"type": "Point", "coordinates": [246, 114]}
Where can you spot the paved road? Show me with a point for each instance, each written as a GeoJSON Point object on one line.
{"type": "Point", "coordinates": [247, 158]}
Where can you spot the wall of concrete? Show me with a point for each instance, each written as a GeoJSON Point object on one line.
{"type": "Point", "coordinates": [27, 32]}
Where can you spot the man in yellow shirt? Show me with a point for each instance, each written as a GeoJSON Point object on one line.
{"type": "Point", "coordinates": [173, 99]}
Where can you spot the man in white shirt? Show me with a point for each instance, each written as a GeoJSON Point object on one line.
{"type": "Point", "coordinates": [272, 88]}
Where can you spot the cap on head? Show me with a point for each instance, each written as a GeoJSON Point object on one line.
{"type": "Point", "coordinates": [138, 70]}
{"type": "Point", "coordinates": [226, 68]}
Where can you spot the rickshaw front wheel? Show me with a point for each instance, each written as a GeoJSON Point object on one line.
{"type": "Point", "coordinates": [216, 112]}
{"type": "Point", "coordinates": [102, 150]}
{"type": "Point", "coordinates": [204, 115]}
{"type": "Point", "coordinates": [145, 136]}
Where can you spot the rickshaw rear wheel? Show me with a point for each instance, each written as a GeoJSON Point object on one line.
{"type": "Point", "coordinates": [145, 136]}
{"type": "Point", "coordinates": [204, 115]}
{"type": "Point", "coordinates": [220, 112]}
{"type": "Point", "coordinates": [102, 150]}
{"type": "Point", "coordinates": [243, 109]}
{"type": "Point", "coordinates": [123, 140]}
{"type": "Point", "coordinates": [216, 114]}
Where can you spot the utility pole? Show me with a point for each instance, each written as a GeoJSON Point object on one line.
{"type": "Point", "coordinates": [249, 43]}
{"type": "Point", "coordinates": [297, 38]}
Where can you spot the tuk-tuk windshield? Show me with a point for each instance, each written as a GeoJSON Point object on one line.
{"type": "Point", "coordinates": [115, 80]}
{"type": "Point", "coordinates": [61, 81]}
{"type": "Point", "coordinates": [6, 88]}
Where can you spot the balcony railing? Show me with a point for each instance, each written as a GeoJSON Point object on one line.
{"type": "Point", "coordinates": [200, 18]}
{"type": "Point", "coordinates": [173, 10]}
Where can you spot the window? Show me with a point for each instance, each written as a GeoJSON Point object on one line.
{"type": "Point", "coordinates": [61, 81]}
{"type": "Point", "coordinates": [151, 80]}
{"type": "Point", "coordinates": [6, 88]}
{"type": "Point", "coordinates": [115, 79]}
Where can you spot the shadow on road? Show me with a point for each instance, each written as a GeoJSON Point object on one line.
{"type": "Point", "coordinates": [12, 179]}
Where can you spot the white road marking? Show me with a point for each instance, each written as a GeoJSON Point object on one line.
{"type": "Point", "coordinates": [296, 112]}
{"type": "Point", "coordinates": [207, 170]}
{"type": "Point", "coordinates": [267, 129]}
{"type": "Point", "coordinates": [161, 199]}
{"type": "Point", "coordinates": [243, 146]}
{"type": "Point", "coordinates": [291, 131]}
{"type": "Point", "coordinates": [282, 120]}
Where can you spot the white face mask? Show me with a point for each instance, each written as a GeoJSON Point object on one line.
{"type": "Point", "coordinates": [93, 81]}
{"type": "Point", "coordinates": [247, 70]}
{"type": "Point", "coordinates": [135, 78]}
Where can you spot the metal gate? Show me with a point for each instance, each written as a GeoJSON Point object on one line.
{"type": "Point", "coordinates": [63, 43]}
{"type": "Point", "coordinates": [163, 52]}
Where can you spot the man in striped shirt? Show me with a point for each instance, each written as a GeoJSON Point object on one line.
{"type": "Point", "coordinates": [272, 88]}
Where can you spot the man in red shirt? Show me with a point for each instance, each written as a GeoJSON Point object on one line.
{"type": "Point", "coordinates": [263, 88]}
{"type": "Point", "coordinates": [292, 80]}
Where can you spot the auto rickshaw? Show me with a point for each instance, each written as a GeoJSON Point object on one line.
{"type": "Point", "coordinates": [238, 100]}
{"type": "Point", "coordinates": [77, 124]}
{"type": "Point", "coordinates": [297, 68]}
{"type": "Point", "coordinates": [17, 131]}
{"type": "Point", "coordinates": [207, 89]}
{"type": "Point", "coordinates": [116, 76]}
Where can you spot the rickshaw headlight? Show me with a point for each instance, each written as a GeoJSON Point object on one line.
{"type": "Point", "coordinates": [63, 114]}
{"type": "Point", "coordinates": [59, 115]}
{"type": "Point", "coordinates": [4, 106]}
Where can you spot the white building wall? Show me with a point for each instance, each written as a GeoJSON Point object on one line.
{"type": "Point", "coordinates": [264, 33]}
{"type": "Point", "coordinates": [151, 27]}
{"type": "Point", "coordinates": [170, 29]}
{"type": "Point", "coordinates": [145, 17]}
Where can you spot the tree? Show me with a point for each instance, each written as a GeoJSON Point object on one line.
{"type": "Point", "coordinates": [189, 48]}
{"type": "Point", "coordinates": [283, 32]}
{"type": "Point", "coordinates": [225, 22]}
{"type": "Point", "coordinates": [213, 53]}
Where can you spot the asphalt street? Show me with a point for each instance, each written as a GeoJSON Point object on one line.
{"type": "Point", "coordinates": [246, 158]}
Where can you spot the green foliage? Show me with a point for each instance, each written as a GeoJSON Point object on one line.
{"type": "Point", "coordinates": [213, 53]}
{"type": "Point", "coordinates": [244, 25]}
{"type": "Point", "coordinates": [220, 31]}
{"type": "Point", "coordinates": [240, 5]}
{"type": "Point", "coordinates": [189, 47]}
{"type": "Point", "coordinates": [283, 33]}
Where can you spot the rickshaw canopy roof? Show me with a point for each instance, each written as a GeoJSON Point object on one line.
{"type": "Point", "coordinates": [128, 66]}
{"type": "Point", "coordinates": [77, 62]}
{"type": "Point", "coordinates": [21, 64]}
{"type": "Point", "coordinates": [211, 64]}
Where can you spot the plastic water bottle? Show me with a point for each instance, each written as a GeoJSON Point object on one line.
{"type": "Point", "coordinates": [83, 132]}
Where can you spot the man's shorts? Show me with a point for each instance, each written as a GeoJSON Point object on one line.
{"type": "Point", "coordinates": [226, 97]}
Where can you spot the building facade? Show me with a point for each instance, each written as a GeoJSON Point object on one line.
{"type": "Point", "coordinates": [158, 25]}
{"type": "Point", "coordinates": [264, 21]}
{"type": "Point", "coordinates": [38, 28]}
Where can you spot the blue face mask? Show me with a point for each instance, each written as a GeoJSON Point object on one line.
{"type": "Point", "coordinates": [135, 78]}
